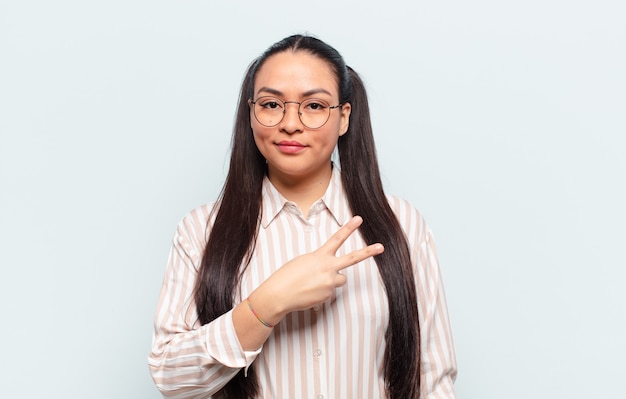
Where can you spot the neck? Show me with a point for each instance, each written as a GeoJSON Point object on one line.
{"type": "Point", "coordinates": [303, 190]}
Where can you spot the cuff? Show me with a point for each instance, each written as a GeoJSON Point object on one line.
{"type": "Point", "coordinates": [223, 344]}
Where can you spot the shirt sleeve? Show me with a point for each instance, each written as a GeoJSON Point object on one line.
{"type": "Point", "coordinates": [439, 368]}
{"type": "Point", "coordinates": [189, 360]}
{"type": "Point", "coordinates": [438, 358]}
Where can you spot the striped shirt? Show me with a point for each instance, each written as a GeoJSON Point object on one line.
{"type": "Point", "coordinates": [334, 350]}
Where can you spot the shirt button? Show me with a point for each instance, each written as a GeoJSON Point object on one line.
{"type": "Point", "coordinates": [320, 396]}
{"type": "Point", "coordinates": [308, 229]}
{"type": "Point", "coordinates": [316, 308]}
{"type": "Point", "coordinates": [318, 352]}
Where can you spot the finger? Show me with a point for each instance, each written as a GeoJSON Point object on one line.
{"type": "Point", "coordinates": [336, 240]}
{"type": "Point", "coordinates": [340, 280]}
{"type": "Point", "coordinates": [360, 255]}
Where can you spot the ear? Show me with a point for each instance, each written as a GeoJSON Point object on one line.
{"type": "Point", "coordinates": [345, 118]}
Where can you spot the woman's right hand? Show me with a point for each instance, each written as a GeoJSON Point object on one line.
{"type": "Point", "coordinates": [310, 279]}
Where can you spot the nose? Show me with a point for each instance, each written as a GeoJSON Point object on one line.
{"type": "Point", "coordinates": [291, 122]}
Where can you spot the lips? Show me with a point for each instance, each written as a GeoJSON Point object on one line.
{"type": "Point", "coordinates": [290, 147]}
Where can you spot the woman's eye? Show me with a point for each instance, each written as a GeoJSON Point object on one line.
{"type": "Point", "coordinates": [315, 106]}
{"type": "Point", "coordinates": [271, 104]}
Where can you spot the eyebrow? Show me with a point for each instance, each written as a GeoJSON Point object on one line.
{"type": "Point", "coordinates": [279, 93]}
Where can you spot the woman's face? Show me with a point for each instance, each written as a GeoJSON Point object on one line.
{"type": "Point", "coordinates": [295, 152]}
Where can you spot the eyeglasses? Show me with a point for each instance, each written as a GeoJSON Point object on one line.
{"type": "Point", "coordinates": [313, 112]}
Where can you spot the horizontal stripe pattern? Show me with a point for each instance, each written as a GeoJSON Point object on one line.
{"type": "Point", "coordinates": [334, 350]}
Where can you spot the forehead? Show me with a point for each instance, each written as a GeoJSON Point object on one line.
{"type": "Point", "coordinates": [293, 73]}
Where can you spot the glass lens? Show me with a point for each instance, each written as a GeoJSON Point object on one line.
{"type": "Point", "coordinates": [314, 113]}
{"type": "Point", "coordinates": [269, 111]}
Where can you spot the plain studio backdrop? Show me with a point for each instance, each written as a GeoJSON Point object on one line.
{"type": "Point", "coordinates": [503, 122]}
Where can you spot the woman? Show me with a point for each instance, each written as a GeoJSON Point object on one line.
{"type": "Point", "coordinates": [277, 290]}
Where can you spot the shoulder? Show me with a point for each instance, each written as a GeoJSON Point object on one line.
{"type": "Point", "coordinates": [420, 240]}
{"type": "Point", "coordinates": [410, 219]}
{"type": "Point", "coordinates": [194, 227]}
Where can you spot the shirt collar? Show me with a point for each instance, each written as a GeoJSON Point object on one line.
{"type": "Point", "coordinates": [334, 199]}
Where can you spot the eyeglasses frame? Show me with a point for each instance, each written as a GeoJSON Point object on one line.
{"type": "Point", "coordinates": [330, 107]}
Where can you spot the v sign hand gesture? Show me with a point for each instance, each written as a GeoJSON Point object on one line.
{"type": "Point", "coordinates": [306, 280]}
{"type": "Point", "coordinates": [310, 279]}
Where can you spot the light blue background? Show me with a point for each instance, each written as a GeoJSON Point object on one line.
{"type": "Point", "coordinates": [503, 122]}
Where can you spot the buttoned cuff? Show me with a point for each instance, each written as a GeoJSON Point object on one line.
{"type": "Point", "coordinates": [224, 346]}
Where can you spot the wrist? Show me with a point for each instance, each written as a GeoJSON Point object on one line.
{"type": "Point", "coordinates": [264, 308]}
{"type": "Point", "coordinates": [258, 317]}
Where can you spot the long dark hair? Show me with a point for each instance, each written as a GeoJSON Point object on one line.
{"type": "Point", "coordinates": [234, 231]}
